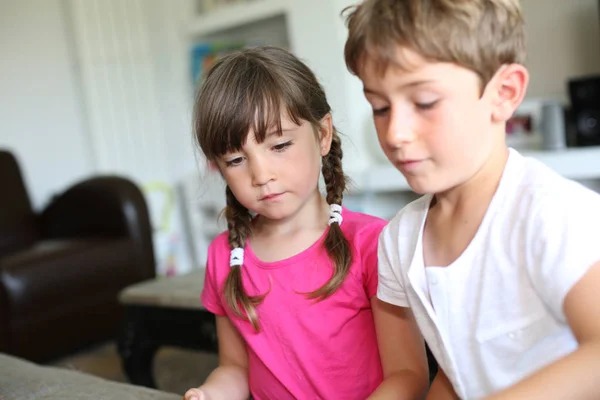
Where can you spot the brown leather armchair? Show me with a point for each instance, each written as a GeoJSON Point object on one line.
{"type": "Point", "coordinates": [61, 269]}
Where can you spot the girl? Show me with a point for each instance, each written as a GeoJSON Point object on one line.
{"type": "Point", "coordinates": [293, 280]}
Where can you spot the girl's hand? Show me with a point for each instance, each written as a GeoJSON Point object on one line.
{"type": "Point", "coordinates": [196, 394]}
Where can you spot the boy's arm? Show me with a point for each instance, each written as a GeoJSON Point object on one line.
{"type": "Point", "coordinates": [441, 388]}
{"type": "Point", "coordinates": [576, 376]}
{"type": "Point", "coordinates": [229, 381]}
{"type": "Point", "coordinates": [402, 352]}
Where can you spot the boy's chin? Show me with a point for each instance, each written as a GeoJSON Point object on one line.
{"type": "Point", "coordinates": [430, 185]}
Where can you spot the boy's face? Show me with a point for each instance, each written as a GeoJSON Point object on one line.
{"type": "Point", "coordinates": [432, 121]}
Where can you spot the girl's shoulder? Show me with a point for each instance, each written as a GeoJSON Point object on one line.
{"type": "Point", "coordinates": [219, 249]}
{"type": "Point", "coordinates": [362, 231]}
{"type": "Point", "coordinates": [220, 242]}
{"type": "Point", "coordinates": [358, 224]}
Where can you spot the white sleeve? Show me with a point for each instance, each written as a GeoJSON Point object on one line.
{"type": "Point", "coordinates": [564, 238]}
{"type": "Point", "coordinates": [390, 287]}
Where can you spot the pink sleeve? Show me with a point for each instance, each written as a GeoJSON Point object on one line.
{"type": "Point", "coordinates": [369, 258]}
{"type": "Point", "coordinates": [211, 293]}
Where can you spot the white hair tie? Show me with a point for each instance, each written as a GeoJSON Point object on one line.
{"type": "Point", "coordinates": [335, 214]}
{"type": "Point", "coordinates": [236, 257]}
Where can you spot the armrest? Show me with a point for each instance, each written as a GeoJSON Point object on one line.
{"type": "Point", "coordinates": [107, 206]}
{"type": "Point", "coordinates": [4, 321]}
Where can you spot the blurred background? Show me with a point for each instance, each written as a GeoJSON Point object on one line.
{"type": "Point", "coordinates": [95, 129]}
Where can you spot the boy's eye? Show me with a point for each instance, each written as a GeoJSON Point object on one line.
{"type": "Point", "coordinates": [426, 106]}
{"type": "Point", "coordinates": [234, 161]}
{"type": "Point", "coordinates": [380, 111]}
{"type": "Point", "coordinates": [282, 146]}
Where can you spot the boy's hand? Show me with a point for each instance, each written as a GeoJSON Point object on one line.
{"type": "Point", "coordinates": [196, 394]}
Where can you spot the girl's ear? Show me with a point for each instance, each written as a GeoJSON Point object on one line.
{"type": "Point", "coordinates": [212, 166]}
{"type": "Point", "coordinates": [325, 134]}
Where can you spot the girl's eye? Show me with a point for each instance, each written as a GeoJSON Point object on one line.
{"type": "Point", "coordinates": [282, 146]}
{"type": "Point", "coordinates": [233, 162]}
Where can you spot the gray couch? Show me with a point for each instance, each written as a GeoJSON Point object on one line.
{"type": "Point", "coordinates": [23, 380]}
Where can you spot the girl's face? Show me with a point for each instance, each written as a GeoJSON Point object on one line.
{"type": "Point", "coordinates": [278, 177]}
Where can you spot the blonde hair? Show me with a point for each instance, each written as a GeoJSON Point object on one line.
{"type": "Point", "coordinates": [480, 35]}
{"type": "Point", "coordinates": [247, 90]}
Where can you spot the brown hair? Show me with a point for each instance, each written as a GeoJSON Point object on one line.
{"type": "Point", "coordinates": [245, 91]}
{"type": "Point", "coordinates": [480, 35]}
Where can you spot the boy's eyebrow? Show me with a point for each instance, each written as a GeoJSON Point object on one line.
{"type": "Point", "coordinates": [406, 85]}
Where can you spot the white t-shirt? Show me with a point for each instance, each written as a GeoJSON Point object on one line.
{"type": "Point", "coordinates": [495, 315]}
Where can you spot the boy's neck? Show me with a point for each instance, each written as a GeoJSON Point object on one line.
{"type": "Point", "coordinates": [477, 190]}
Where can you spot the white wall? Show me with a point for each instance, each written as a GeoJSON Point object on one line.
{"type": "Point", "coordinates": [40, 113]}
{"type": "Point", "coordinates": [169, 43]}
{"type": "Point", "coordinates": [134, 67]}
{"type": "Point", "coordinates": [563, 39]}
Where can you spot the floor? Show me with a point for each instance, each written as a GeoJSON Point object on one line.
{"type": "Point", "coordinates": [175, 370]}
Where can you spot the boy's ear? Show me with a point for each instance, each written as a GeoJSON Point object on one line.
{"type": "Point", "coordinates": [325, 134]}
{"type": "Point", "coordinates": [509, 88]}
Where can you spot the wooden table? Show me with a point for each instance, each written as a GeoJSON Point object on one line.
{"type": "Point", "coordinates": [163, 312]}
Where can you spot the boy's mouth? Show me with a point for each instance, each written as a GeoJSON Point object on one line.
{"type": "Point", "coordinates": [409, 164]}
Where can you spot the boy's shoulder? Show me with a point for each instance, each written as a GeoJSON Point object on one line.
{"type": "Point", "coordinates": [411, 215]}
{"type": "Point", "coordinates": [540, 187]}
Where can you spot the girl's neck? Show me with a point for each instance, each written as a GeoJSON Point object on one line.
{"type": "Point", "coordinates": [275, 240]}
{"type": "Point", "coordinates": [313, 215]}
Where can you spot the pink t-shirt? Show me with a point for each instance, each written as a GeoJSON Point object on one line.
{"type": "Point", "coordinates": [307, 349]}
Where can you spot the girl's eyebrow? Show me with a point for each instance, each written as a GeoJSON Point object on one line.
{"type": "Point", "coordinates": [277, 132]}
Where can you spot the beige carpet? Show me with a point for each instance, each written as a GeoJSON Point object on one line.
{"type": "Point", "coordinates": [175, 370]}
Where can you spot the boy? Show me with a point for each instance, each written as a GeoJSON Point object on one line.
{"type": "Point", "coordinates": [498, 261]}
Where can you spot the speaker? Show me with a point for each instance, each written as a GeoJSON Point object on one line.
{"type": "Point", "coordinates": [584, 94]}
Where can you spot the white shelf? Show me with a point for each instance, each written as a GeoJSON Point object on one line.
{"type": "Point", "coordinates": [235, 15]}
{"type": "Point", "coordinates": [573, 163]}
{"type": "Point", "coordinates": [381, 179]}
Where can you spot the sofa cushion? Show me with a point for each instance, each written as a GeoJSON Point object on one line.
{"type": "Point", "coordinates": [61, 273]}
{"type": "Point", "coordinates": [56, 284]}
{"type": "Point", "coordinates": [18, 223]}
{"type": "Point", "coordinates": [22, 380]}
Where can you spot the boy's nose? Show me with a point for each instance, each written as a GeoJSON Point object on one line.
{"type": "Point", "coordinates": [399, 130]}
